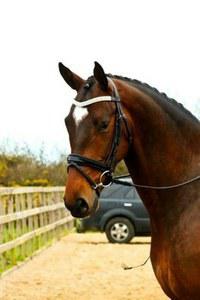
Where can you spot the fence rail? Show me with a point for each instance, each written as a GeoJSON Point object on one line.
{"type": "Point", "coordinates": [30, 218]}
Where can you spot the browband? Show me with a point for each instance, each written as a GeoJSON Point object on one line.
{"type": "Point", "coordinates": [92, 100]}
{"type": "Point", "coordinates": [114, 98]}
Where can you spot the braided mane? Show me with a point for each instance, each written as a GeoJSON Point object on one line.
{"type": "Point", "coordinates": [155, 94]}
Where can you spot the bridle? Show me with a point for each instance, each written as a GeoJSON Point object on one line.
{"type": "Point", "coordinates": [106, 168]}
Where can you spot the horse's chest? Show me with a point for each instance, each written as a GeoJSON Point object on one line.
{"type": "Point", "coordinates": [162, 268]}
{"type": "Point", "coordinates": [174, 267]}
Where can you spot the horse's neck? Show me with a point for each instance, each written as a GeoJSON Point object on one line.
{"type": "Point", "coordinates": [164, 151]}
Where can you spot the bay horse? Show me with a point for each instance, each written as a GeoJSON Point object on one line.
{"type": "Point", "coordinates": [114, 118]}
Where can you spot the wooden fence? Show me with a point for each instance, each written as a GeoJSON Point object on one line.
{"type": "Point", "coordinates": [30, 219]}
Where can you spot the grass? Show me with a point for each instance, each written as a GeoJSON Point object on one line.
{"type": "Point", "coordinates": [20, 253]}
{"type": "Point", "coordinates": [10, 231]}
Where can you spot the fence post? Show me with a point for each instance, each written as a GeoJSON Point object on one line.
{"type": "Point", "coordinates": [2, 212]}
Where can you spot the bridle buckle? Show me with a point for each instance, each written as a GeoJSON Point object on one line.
{"type": "Point", "coordinates": [102, 179]}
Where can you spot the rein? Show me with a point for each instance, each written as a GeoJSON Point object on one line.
{"type": "Point", "coordinates": [151, 187]}
{"type": "Point", "coordinates": [106, 168]}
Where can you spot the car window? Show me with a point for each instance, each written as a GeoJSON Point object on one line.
{"type": "Point", "coordinates": [110, 192]}
{"type": "Point", "coordinates": [119, 191]}
{"type": "Point", "coordinates": [132, 194]}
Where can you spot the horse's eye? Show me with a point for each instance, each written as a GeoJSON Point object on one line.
{"type": "Point", "coordinates": [103, 125]}
{"type": "Point", "coordinates": [87, 86]}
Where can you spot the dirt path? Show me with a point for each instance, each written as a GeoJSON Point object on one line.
{"type": "Point", "coordinates": [85, 267]}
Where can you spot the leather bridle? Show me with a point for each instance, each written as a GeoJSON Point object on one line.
{"type": "Point", "coordinates": [106, 168]}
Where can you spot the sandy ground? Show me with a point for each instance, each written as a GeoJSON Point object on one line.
{"type": "Point", "coordinates": [85, 267]}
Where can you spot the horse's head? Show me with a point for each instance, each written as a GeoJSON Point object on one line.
{"type": "Point", "coordinates": [98, 139]}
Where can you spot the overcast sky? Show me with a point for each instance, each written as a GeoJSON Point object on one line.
{"type": "Point", "coordinates": [153, 41]}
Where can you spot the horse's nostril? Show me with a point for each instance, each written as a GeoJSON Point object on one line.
{"type": "Point", "coordinates": [79, 209]}
{"type": "Point", "coordinates": [81, 206]}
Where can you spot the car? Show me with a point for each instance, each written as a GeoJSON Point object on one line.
{"type": "Point", "coordinates": [121, 214]}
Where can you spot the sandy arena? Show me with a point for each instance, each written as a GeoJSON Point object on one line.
{"type": "Point", "coordinates": [85, 267]}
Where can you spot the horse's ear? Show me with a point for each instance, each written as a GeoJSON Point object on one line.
{"type": "Point", "coordinates": [73, 80]}
{"type": "Point", "coordinates": [100, 76]}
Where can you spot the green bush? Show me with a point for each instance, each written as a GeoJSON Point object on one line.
{"type": "Point", "coordinates": [23, 168]}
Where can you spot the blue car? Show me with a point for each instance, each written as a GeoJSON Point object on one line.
{"type": "Point", "coordinates": [121, 214]}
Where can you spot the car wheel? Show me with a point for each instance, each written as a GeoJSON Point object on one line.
{"type": "Point", "coordinates": [119, 230]}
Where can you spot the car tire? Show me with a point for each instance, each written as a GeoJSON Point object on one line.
{"type": "Point", "coordinates": [119, 230]}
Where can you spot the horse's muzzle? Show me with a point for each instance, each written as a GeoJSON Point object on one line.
{"type": "Point", "coordinates": [79, 209]}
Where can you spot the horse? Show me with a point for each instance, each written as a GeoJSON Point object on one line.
{"type": "Point", "coordinates": [114, 118]}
